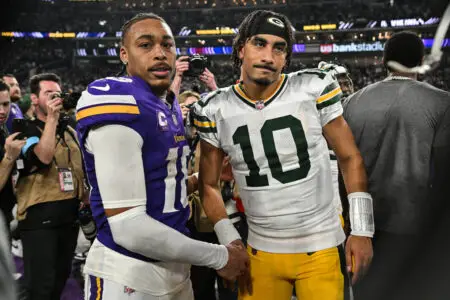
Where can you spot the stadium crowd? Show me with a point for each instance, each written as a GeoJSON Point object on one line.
{"type": "Point", "coordinates": [58, 16]}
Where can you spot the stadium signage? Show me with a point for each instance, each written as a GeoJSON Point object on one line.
{"type": "Point", "coordinates": [353, 47]}
{"type": "Point", "coordinates": [217, 31]}
{"type": "Point", "coordinates": [410, 22]}
{"type": "Point", "coordinates": [319, 27]}
{"type": "Point", "coordinates": [61, 35]}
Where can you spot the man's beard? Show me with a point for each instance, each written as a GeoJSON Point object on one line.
{"type": "Point", "coordinates": [42, 109]}
{"type": "Point", "coordinates": [263, 81]}
{"type": "Point", "coordinates": [15, 98]}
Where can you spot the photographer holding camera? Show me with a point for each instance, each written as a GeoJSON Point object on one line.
{"type": "Point", "coordinates": [9, 152]}
{"type": "Point", "coordinates": [50, 186]}
{"type": "Point", "coordinates": [195, 67]}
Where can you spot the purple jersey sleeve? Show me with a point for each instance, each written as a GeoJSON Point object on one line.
{"type": "Point", "coordinates": [107, 101]}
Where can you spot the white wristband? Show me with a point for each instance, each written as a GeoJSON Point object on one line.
{"type": "Point", "coordinates": [361, 214]}
{"type": "Point", "coordinates": [226, 232]}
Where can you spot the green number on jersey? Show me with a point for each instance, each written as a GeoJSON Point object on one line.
{"type": "Point", "coordinates": [254, 179]}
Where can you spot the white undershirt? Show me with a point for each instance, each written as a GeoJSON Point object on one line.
{"type": "Point", "coordinates": [117, 150]}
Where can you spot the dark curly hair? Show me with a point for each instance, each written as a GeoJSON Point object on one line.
{"type": "Point", "coordinates": [249, 27]}
{"type": "Point", "coordinates": [139, 17]}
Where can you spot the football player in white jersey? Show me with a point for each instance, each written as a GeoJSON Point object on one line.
{"type": "Point", "coordinates": [347, 87]}
{"type": "Point", "coordinates": [273, 127]}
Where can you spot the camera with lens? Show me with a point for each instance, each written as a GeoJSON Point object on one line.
{"type": "Point", "coordinates": [234, 215]}
{"type": "Point", "coordinates": [197, 65]}
{"type": "Point", "coordinates": [227, 191]}
{"type": "Point", "coordinates": [87, 223]}
{"type": "Point", "coordinates": [69, 100]}
{"type": "Point", "coordinates": [189, 126]}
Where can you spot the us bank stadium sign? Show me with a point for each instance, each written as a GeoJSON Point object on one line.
{"type": "Point", "coordinates": [352, 47]}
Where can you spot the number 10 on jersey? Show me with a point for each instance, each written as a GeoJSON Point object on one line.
{"type": "Point", "coordinates": [241, 137]}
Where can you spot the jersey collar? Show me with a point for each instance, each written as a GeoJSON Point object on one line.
{"type": "Point", "coordinates": [238, 90]}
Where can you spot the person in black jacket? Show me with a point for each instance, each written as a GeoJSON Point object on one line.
{"type": "Point", "coordinates": [9, 151]}
{"type": "Point", "coordinates": [402, 128]}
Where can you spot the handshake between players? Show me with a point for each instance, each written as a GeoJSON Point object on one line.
{"type": "Point", "coordinates": [238, 266]}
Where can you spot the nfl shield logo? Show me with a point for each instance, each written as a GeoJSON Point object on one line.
{"type": "Point", "coordinates": [259, 104]}
{"type": "Point", "coordinates": [128, 290]}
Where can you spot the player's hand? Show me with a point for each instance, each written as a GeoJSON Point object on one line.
{"type": "Point", "coordinates": [13, 147]}
{"type": "Point", "coordinates": [245, 280]}
{"type": "Point", "coordinates": [182, 65]}
{"type": "Point", "coordinates": [209, 80]}
{"type": "Point", "coordinates": [238, 262]}
{"type": "Point", "coordinates": [54, 107]}
{"type": "Point", "coordinates": [358, 255]}
{"type": "Point", "coordinates": [184, 110]}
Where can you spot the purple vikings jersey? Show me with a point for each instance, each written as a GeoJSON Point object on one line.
{"type": "Point", "coordinates": [129, 101]}
{"type": "Point", "coordinates": [15, 113]}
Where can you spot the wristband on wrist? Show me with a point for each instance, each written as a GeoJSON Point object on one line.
{"type": "Point", "coordinates": [361, 214]}
{"type": "Point", "coordinates": [226, 232]}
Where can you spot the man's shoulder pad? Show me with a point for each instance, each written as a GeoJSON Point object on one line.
{"type": "Point", "coordinates": [107, 101]}
{"type": "Point", "coordinates": [312, 73]}
{"type": "Point", "coordinates": [111, 86]}
{"type": "Point", "coordinates": [313, 79]}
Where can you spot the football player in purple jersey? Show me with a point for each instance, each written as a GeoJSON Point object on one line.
{"type": "Point", "coordinates": [132, 137]}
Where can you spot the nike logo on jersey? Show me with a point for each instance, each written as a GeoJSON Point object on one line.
{"type": "Point", "coordinates": [102, 88]}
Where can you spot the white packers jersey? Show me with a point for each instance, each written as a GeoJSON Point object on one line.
{"type": "Point", "coordinates": [280, 159]}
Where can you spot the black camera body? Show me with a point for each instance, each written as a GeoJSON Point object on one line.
{"type": "Point", "coordinates": [22, 126]}
{"type": "Point", "coordinates": [69, 100]}
{"type": "Point", "coordinates": [197, 65]}
{"type": "Point", "coordinates": [227, 191]}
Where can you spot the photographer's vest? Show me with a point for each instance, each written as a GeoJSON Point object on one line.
{"type": "Point", "coordinates": [44, 185]}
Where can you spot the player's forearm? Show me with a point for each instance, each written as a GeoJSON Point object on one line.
{"type": "Point", "coordinates": [353, 173]}
{"type": "Point", "coordinates": [138, 232]}
{"type": "Point", "coordinates": [360, 202]}
{"type": "Point", "coordinates": [212, 202]}
{"type": "Point", "coordinates": [6, 165]}
{"type": "Point", "coordinates": [46, 147]}
{"type": "Point", "coordinates": [215, 210]}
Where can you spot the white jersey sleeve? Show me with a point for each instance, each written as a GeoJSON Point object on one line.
{"type": "Point", "coordinates": [127, 187]}
{"type": "Point", "coordinates": [328, 101]}
{"type": "Point", "coordinates": [205, 120]}
{"type": "Point", "coordinates": [123, 185]}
